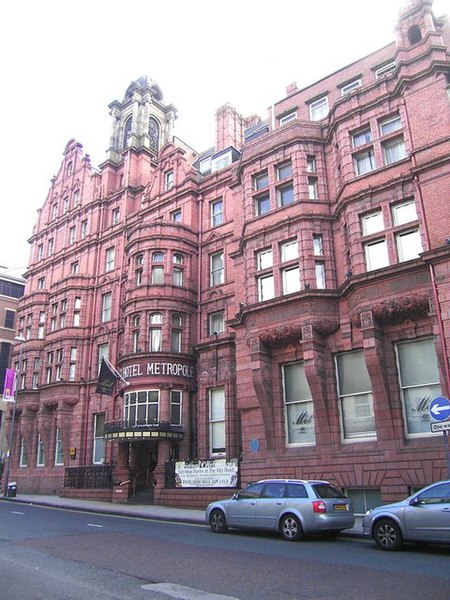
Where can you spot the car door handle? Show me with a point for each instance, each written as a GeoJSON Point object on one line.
{"type": "Point", "coordinates": [446, 510]}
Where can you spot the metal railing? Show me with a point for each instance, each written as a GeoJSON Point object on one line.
{"type": "Point", "coordinates": [89, 477]}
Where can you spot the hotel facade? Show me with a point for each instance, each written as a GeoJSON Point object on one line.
{"type": "Point", "coordinates": [280, 302]}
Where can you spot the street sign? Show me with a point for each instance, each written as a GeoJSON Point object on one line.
{"type": "Point", "coordinates": [440, 426]}
{"type": "Point", "coordinates": [440, 408]}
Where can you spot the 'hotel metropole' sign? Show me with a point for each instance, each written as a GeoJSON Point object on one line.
{"type": "Point", "coordinates": [163, 368]}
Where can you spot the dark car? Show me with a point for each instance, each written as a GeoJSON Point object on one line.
{"type": "Point", "coordinates": [422, 517]}
{"type": "Point", "coordinates": [294, 508]}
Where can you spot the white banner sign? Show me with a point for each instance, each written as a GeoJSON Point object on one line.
{"type": "Point", "coordinates": [206, 473]}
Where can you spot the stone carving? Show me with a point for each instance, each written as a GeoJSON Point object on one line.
{"type": "Point", "coordinates": [398, 310]}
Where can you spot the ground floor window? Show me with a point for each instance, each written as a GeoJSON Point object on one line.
{"type": "Point", "coordinates": [298, 405]}
{"type": "Point", "coordinates": [59, 449]}
{"type": "Point", "coordinates": [419, 382]}
{"type": "Point", "coordinates": [217, 420]}
{"type": "Point", "coordinates": [364, 499]}
{"type": "Point", "coordinates": [40, 462]}
{"type": "Point", "coordinates": [355, 396]}
{"type": "Point", "coordinates": [23, 453]}
{"type": "Point", "coordinates": [99, 443]}
{"type": "Point", "coordinates": [142, 407]}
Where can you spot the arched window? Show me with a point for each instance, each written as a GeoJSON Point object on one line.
{"type": "Point", "coordinates": [127, 133]}
{"type": "Point", "coordinates": [414, 35]}
{"type": "Point", "coordinates": [153, 133]}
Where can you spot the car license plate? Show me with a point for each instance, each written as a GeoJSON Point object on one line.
{"type": "Point", "coordinates": [341, 507]}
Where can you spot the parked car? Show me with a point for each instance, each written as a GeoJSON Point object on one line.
{"type": "Point", "coordinates": [422, 517]}
{"type": "Point", "coordinates": [295, 508]}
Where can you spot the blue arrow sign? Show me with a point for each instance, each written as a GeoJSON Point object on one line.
{"type": "Point", "coordinates": [440, 408]}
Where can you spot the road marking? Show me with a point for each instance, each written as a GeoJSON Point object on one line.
{"type": "Point", "coordinates": [16, 512]}
{"type": "Point", "coordinates": [94, 525]}
{"type": "Point", "coordinates": [184, 593]}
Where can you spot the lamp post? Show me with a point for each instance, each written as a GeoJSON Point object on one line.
{"type": "Point", "coordinates": [13, 419]}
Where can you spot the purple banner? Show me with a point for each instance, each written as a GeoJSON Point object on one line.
{"type": "Point", "coordinates": [9, 389]}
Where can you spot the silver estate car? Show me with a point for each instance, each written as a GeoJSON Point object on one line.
{"type": "Point", "coordinates": [294, 508]}
{"type": "Point", "coordinates": [422, 517]}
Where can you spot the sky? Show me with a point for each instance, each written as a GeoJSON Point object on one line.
{"type": "Point", "coordinates": [64, 62]}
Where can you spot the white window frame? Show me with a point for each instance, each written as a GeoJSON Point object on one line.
{"type": "Point", "coordinates": [264, 259]}
{"type": "Point", "coordinates": [377, 255]}
{"type": "Point", "coordinates": [216, 322]}
{"type": "Point", "coordinates": [266, 287]}
{"type": "Point", "coordinates": [40, 454]}
{"type": "Point", "coordinates": [407, 250]}
{"type": "Point", "coordinates": [390, 124]}
{"type": "Point", "coordinates": [217, 422]}
{"type": "Point", "coordinates": [417, 394]}
{"type": "Point", "coordinates": [168, 180]}
{"type": "Point", "coordinates": [385, 70]}
{"type": "Point", "coordinates": [98, 442]}
{"type": "Point", "coordinates": [217, 212]}
{"type": "Point", "coordinates": [261, 180]}
{"type": "Point", "coordinates": [59, 449]}
{"type": "Point", "coordinates": [318, 109]}
{"type": "Point", "coordinates": [110, 259]}
{"type": "Point", "coordinates": [288, 251]}
{"type": "Point", "coordinates": [291, 280]}
{"type": "Point", "coordinates": [364, 161]}
{"type": "Point", "coordinates": [298, 407]}
{"type": "Point", "coordinates": [217, 268]}
{"type": "Point", "coordinates": [358, 400]}
{"type": "Point", "coordinates": [106, 307]}
{"type": "Point", "coordinates": [288, 117]}
{"type": "Point", "coordinates": [351, 86]}
{"type": "Point", "coordinates": [404, 212]}
{"type": "Point", "coordinates": [372, 222]}
{"type": "Point", "coordinates": [394, 150]}
{"type": "Point", "coordinates": [320, 275]}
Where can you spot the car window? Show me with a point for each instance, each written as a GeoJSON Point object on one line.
{"type": "Point", "coordinates": [274, 490]}
{"type": "Point", "coordinates": [296, 490]}
{"type": "Point", "coordinates": [252, 491]}
{"type": "Point", "coordinates": [437, 494]}
{"type": "Point", "coordinates": [326, 490]}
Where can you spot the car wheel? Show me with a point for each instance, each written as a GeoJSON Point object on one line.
{"type": "Point", "coordinates": [387, 535]}
{"type": "Point", "coordinates": [217, 521]}
{"type": "Point", "coordinates": [291, 528]}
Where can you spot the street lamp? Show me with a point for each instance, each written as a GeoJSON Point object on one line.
{"type": "Point", "coordinates": [11, 433]}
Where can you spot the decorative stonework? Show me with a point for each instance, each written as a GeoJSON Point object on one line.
{"type": "Point", "coordinates": [293, 334]}
{"type": "Point", "coordinates": [399, 310]}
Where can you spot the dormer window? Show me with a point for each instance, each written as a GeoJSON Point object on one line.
{"type": "Point", "coordinates": [205, 165]}
{"type": "Point", "coordinates": [350, 86]}
{"type": "Point", "coordinates": [385, 70]}
{"type": "Point", "coordinates": [318, 109]}
{"type": "Point", "coordinates": [290, 116]}
{"type": "Point", "coordinates": [221, 162]}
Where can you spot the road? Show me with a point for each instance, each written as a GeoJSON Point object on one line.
{"type": "Point", "coordinates": [55, 554]}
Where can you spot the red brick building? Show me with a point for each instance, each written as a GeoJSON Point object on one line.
{"type": "Point", "coordinates": [282, 299]}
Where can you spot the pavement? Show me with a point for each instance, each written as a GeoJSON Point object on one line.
{"type": "Point", "coordinates": [142, 511]}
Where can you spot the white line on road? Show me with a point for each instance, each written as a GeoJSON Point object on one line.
{"type": "Point", "coordinates": [94, 525]}
{"type": "Point", "coordinates": [16, 512]}
{"type": "Point", "coordinates": [184, 593]}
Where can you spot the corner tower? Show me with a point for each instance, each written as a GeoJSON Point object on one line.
{"type": "Point", "coordinates": [141, 120]}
